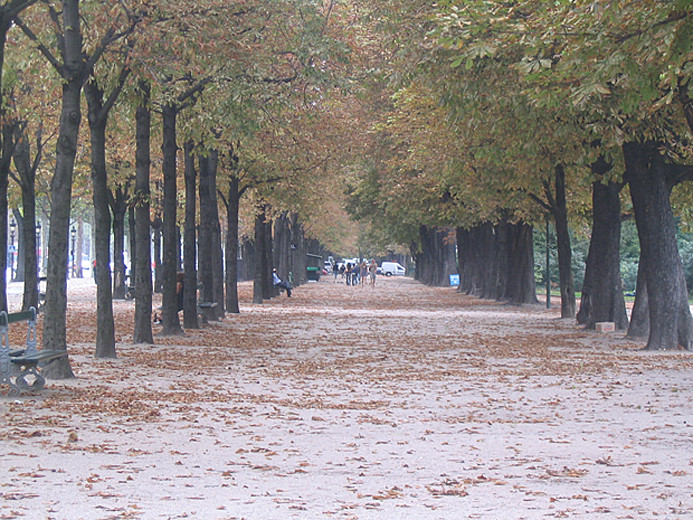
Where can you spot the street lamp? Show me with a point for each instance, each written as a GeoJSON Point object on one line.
{"type": "Point", "coordinates": [38, 249]}
{"type": "Point", "coordinates": [73, 234]}
{"type": "Point", "coordinates": [13, 228]}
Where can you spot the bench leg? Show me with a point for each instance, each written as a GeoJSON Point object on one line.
{"type": "Point", "coordinates": [6, 374]}
{"type": "Point", "coordinates": [39, 381]}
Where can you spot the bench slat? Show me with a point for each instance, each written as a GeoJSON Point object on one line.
{"type": "Point", "coordinates": [41, 355]}
{"type": "Point", "coordinates": [16, 317]}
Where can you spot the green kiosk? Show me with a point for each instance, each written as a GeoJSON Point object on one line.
{"type": "Point", "coordinates": [313, 272]}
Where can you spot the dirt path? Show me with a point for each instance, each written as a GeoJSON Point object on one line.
{"type": "Point", "coordinates": [399, 402]}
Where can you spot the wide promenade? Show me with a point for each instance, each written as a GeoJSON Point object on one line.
{"type": "Point", "coordinates": [393, 402]}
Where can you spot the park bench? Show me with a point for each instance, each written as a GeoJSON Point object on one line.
{"type": "Point", "coordinates": [19, 363]}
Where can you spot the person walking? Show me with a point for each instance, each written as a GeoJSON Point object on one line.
{"type": "Point", "coordinates": [364, 273]}
{"type": "Point", "coordinates": [347, 272]}
{"type": "Point", "coordinates": [372, 271]}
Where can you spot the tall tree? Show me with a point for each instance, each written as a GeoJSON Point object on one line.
{"type": "Point", "coordinates": [143, 267]}
{"type": "Point", "coordinates": [189, 242]}
{"type": "Point", "coordinates": [9, 11]}
{"type": "Point", "coordinates": [98, 111]}
{"type": "Point", "coordinates": [74, 65]}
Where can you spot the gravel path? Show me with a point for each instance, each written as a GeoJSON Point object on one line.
{"type": "Point", "coordinates": [394, 402]}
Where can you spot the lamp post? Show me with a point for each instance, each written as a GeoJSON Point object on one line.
{"type": "Point", "coordinates": [38, 249]}
{"type": "Point", "coordinates": [73, 234]}
{"type": "Point", "coordinates": [13, 228]}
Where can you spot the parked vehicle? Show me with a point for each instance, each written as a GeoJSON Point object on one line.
{"type": "Point", "coordinates": [392, 269]}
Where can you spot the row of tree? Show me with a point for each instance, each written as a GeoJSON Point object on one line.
{"type": "Point", "coordinates": [238, 89]}
{"type": "Point", "coordinates": [501, 113]}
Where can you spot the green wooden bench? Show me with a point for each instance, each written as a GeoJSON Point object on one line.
{"type": "Point", "coordinates": [16, 365]}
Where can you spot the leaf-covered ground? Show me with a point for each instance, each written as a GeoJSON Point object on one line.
{"type": "Point", "coordinates": [394, 402]}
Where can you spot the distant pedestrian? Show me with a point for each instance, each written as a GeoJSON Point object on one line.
{"type": "Point", "coordinates": [372, 272]}
{"type": "Point", "coordinates": [335, 271]}
{"type": "Point", "coordinates": [363, 273]}
{"type": "Point", "coordinates": [347, 273]}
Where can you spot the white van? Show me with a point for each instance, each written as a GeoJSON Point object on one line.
{"type": "Point", "coordinates": [392, 269]}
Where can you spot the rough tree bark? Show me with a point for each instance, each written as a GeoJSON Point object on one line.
{"type": "Point", "coordinates": [5, 161]}
{"type": "Point", "coordinates": [650, 180]}
{"type": "Point", "coordinates": [559, 210]}
{"type": "Point", "coordinates": [205, 234]}
{"type": "Point", "coordinates": [26, 178]}
{"type": "Point", "coordinates": [520, 287]}
{"type": "Point", "coordinates": [132, 239]}
{"type": "Point", "coordinates": [602, 291]}
{"type": "Point", "coordinates": [232, 201]}
{"type": "Point", "coordinates": [282, 248]}
{"type": "Point", "coordinates": [75, 68]}
{"type": "Point", "coordinates": [497, 262]}
{"type": "Point", "coordinates": [640, 315]}
{"type": "Point", "coordinates": [216, 252]}
{"type": "Point", "coordinates": [143, 267]}
{"type": "Point", "coordinates": [8, 13]}
{"type": "Point", "coordinates": [260, 256]}
{"type": "Point", "coordinates": [436, 259]}
{"type": "Point", "coordinates": [157, 225]}
{"type": "Point", "coordinates": [169, 313]}
{"type": "Point", "coordinates": [74, 73]}
{"type": "Point", "coordinates": [105, 325]}
{"type": "Point", "coordinates": [299, 259]}
{"type": "Point", "coordinates": [268, 288]}
{"type": "Point", "coordinates": [189, 243]}
{"type": "Point", "coordinates": [117, 200]}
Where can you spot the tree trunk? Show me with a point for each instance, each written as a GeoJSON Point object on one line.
{"type": "Point", "coordinates": [671, 323]}
{"type": "Point", "coordinates": [143, 266]}
{"type": "Point", "coordinates": [79, 248]}
{"type": "Point", "coordinates": [26, 171]}
{"type": "Point", "coordinates": [640, 315]}
{"type": "Point", "coordinates": [565, 272]}
{"type": "Point", "coordinates": [157, 225]}
{"type": "Point", "coordinates": [217, 258]}
{"type": "Point", "coordinates": [267, 285]}
{"type": "Point", "coordinates": [205, 236]}
{"type": "Point", "coordinates": [435, 261]}
{"type": "Point", "coordinates": [260, 257]}
{"type": "Point", "coordinates": [497, 262]}
{"type": "Point", "coordinates": [282, 247]}
{"type": "Point", "coordinates": [520, 287]}
{"type": "Point", "coordinates": [233, 201]}
{"type": "Point", "coordinates": [105, 325]}
{"type": "Point", "coordinates": [55, 318]}
{"type": "Point", "coordinates": [8, 11]}
{"type": "Point", "coordinates": [169, 315]}
{"type": "Point", "coordinates": [189, 242]}
{"type": "Point", "coordinates": [299, 260]}
{"type": "Point", "coordinates": [602, 291]}
{"type": "Point", "coordinates": [119, 208]}
{"type": "Point", "coordinates": [130, 270]}
{"type": "Point", "coordinates": [5, 161]}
